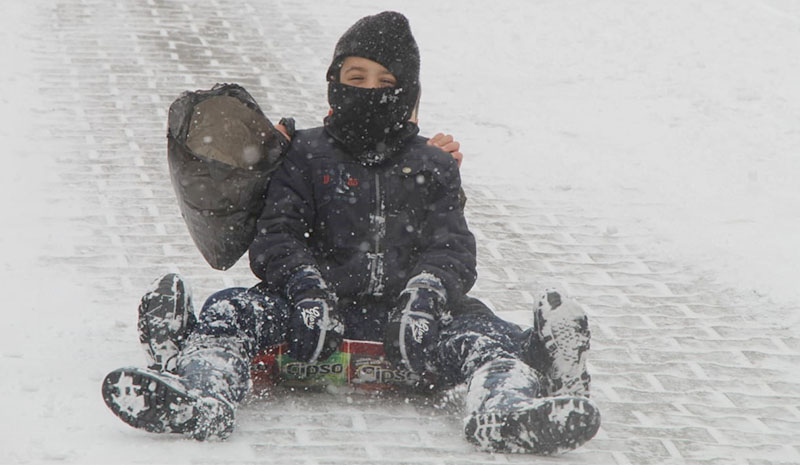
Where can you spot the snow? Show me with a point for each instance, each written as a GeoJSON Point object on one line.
{"type": "Point", "coordinates": [676, 121]}
{"type": "Point", "coordinates": [129, 404]}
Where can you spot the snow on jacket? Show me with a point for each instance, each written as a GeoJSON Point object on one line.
{"type": "Point", "coordinates": [367, 228]}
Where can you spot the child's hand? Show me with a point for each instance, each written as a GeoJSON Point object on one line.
{"type": "Point", "coordinates": [448, 144]}
{"type": "Point", "coordinates": [315, 328]}
{"type": "Point", "coordinates": [413, 327]}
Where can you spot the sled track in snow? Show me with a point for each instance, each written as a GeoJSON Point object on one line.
{"type": "Point", "coordinates": [682, 371]}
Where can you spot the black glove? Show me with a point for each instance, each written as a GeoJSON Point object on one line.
{"type": "Point", "coordinates": [413, 328]}
{"type": "Point", "coordinates": [315, 329]}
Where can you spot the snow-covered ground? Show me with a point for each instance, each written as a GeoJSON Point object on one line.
{"type": "Point", "coordinates": [677, 118]}
{"type": "Point", "coordinates": [676, 121]}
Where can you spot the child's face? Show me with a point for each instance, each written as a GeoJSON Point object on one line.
{"type": "Point", "coordinates": [365, 73]}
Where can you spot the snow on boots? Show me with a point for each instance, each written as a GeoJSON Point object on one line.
{"type": "Point", "coordinates": [212, 375]}
{"type": "Point", "coordinates": [561, 330]}
{"type": "Point", "coordinates": [161, 402]}
{"type": "Point", "coordinates": [197, 398]}
{"type": "Point", "coordinates": [166, 318]}
{"type": "Point", "coordinates": [506, 413]}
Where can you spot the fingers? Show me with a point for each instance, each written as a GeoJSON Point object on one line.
{"type": "Point", "coordinates": [432, 140]}
{"type": "Point", "coordinates": [447, 143]}
{"type": "Point", "coordinates": [451, 147]}
{"type": "Point", "coordinates": [458, 156]}
{"type": "Point", "coordinates": [282, 129]}
{"type": "Point", "coordinates": [440, 140]}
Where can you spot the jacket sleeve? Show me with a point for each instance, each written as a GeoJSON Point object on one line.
{"type": "Point", "coordinates": [449, 253]}
{"type": "Point", "coordinates": [280, 245]}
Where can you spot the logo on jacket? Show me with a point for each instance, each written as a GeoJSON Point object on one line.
{"type": "Point", "coordinates": [341, 179]}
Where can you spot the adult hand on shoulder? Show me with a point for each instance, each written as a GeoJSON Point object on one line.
{"type": "Point", "coordinates": [282, 129]}
{"type": "Point", "coordinates": [447, 143]}
{"type": "Point", "coordinates": [315, 328]}
{"type": "Point", "coordinates": [413, 329]}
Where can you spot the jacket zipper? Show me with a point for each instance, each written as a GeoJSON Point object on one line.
{"type": "Point", "coordinates": [378, 213]}
{"type": "Point", "coordinates": [376, 257]}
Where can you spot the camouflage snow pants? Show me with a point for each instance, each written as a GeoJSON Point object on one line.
{"type": "Point", "coordinates": [236, 324]}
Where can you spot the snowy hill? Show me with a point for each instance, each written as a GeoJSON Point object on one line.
{"type": "Point", "coordinates": [642, 154]}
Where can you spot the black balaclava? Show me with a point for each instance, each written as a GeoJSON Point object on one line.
{"type": "Point", "coordinates": [373, 123]}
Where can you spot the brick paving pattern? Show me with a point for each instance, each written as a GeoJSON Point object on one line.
{"type": "Point", "coordinates": [682, 371]}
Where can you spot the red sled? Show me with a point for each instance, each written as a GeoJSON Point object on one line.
{"type": "Point", "coordinates": [358, 364]}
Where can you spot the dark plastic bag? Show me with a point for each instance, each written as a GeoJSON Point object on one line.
{"type": "Point", "coordinates": [221, 152]}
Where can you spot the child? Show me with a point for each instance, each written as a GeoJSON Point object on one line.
{"type": "Point", "coordinates": [363, 237]}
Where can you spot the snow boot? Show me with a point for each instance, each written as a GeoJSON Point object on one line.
{"type": "Point", "coordinates": [506, 414]}
{"type": "Point", "coordinates": [166, 318]}
{"type": "Point", "coordinates": [560, 338]}
{"type": "Point", "coordinates": [162, 402]}
{"type": "Point", "coordinates": [217, 366]}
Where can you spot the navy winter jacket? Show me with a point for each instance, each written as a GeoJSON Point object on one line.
{"type": "Point", "coordinates": [368, 229]}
